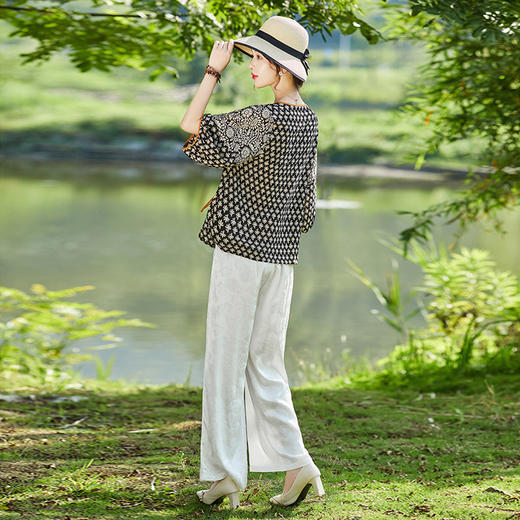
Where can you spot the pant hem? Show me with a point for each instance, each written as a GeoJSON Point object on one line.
{"type": "Point", "coordinates": [285, 467]}
{"type": "Point", "coordinates": [218, 476]}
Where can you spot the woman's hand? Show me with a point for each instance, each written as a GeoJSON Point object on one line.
{"type": "Point", "coordinates": [221, 54]}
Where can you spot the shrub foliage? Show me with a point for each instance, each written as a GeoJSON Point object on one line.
{"type": "Point", "coordinates": [41, 330]}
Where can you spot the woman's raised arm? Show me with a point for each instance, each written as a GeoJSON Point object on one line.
{"type": "Point", "coordinates": [219, 58]}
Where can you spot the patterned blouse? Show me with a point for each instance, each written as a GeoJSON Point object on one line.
{"type": "Point", "coordinates": [267, 193]}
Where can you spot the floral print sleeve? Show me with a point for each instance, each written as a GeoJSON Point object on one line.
{"type": "Point", "coordinates": [231, 138]}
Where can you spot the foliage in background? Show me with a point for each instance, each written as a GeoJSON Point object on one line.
{"type": "Point", "coordinates": [395, 303]}
{"type": "Point", "coordinates": [469, 87]}
{"type": "Point", "coordinates": [323, 365]}
{"type": "Point", "coordinates": [146, 34]}
{"type": "Point", "coordinates": [472, 314]}
{"type": "Point", "coordinates": [56, 110]}
{"type": "Point", "coordinates": [39, 336]}
{"type": "Point", "coordinates": [473, 306]}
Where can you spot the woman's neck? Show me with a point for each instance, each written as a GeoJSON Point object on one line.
{"type": "Point", "coordinates": [287, 93]}
{"type": "Point", "coordinates": [294, 99]}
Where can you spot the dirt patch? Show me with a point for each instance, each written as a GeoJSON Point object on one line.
{"type": "Point", "coordinates": [23, 471]}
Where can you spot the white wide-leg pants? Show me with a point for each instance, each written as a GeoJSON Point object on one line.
{"type": "Point", "coordinates": [246, 400]}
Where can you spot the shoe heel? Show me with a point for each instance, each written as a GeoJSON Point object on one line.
{"type": "Point", "coordinates": [234, 501]}
{"type": "Point", "coordinates": [318, 486]}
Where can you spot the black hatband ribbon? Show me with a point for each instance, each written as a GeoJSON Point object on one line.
{"type": "Point", "coordinates": [302, 56]}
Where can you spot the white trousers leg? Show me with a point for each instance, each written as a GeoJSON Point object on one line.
{"type": "Point", "coordinates": [246, 400]}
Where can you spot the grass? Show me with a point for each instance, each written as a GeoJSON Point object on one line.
{"type": "Point", "coordinates": [132, 452]}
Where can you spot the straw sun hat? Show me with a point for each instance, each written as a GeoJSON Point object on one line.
{"type": "Point", "coordinates": [284, 41]}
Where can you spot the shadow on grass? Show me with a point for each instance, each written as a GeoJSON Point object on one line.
{"type": "Point", "coordinates": [134, 452]}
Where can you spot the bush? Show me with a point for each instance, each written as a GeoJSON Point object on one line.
{"type": "Point", "coordinates": [38, 336]}
{"type": "Point", "coordinates": [472, 314]}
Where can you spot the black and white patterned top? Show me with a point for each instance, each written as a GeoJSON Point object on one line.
{"type": "Point", "coordinates": [267, 193]}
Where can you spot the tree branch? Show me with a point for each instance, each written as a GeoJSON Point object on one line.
{"type": "Point", "coordinates": [69, 13]}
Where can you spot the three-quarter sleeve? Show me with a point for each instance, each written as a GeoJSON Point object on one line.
{"type": "Point", "coordinates": [232, 137]}
{"type": "Point", "coordinates": [309, 209]}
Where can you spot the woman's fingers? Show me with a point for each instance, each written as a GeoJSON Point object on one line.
{"type": "Point", "coordinates": [228, 45]}
{"type": "Point", "coordinates": [221, 53]}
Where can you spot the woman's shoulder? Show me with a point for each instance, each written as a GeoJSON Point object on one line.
{"type": "Point", "coordinates": [277, 117]}
{"type": "Point", "coordinates": [247, 113]}
{"type": "Point", "coordinates": [275, 109]}
{"type": "Point", "coordinates": [287, 111]}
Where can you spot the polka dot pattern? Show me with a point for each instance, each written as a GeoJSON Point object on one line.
{"type": "Point", "coordinates": [267, 193]}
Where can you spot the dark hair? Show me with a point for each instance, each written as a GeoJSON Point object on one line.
{"type": "Point", "coordinates": [297, 82]}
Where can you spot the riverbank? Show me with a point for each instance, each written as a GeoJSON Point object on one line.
{"type": "Point", "coordinates": [113, 450]}
{"type": "Point", "coordinates": [166, 147]}
{"type": "Point", "coordinates": [167, 167]}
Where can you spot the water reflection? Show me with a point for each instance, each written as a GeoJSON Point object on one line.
{"type": "Point", "coordinates": [66, 224]}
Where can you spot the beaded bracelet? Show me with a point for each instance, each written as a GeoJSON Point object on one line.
{"type": "Point", "coordinates": [212, 71]}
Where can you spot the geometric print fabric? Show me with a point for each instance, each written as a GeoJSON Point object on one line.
{"type": "Point", "coordinates": [267, 193]}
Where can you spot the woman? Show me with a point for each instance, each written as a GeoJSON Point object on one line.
{"type": "Point", "coordinates": [265, 200]}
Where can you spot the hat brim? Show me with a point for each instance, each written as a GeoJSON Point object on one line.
{"type": "Point", "coordinates": [285, 60]}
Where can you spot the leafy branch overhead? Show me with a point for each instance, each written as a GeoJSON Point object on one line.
{"type": "Point", "coordinates": [149, 34]}
{"type": "Point", "coordinates": [469, 87]}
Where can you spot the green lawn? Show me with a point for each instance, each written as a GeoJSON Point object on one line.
{"type": "Point", "coordinates": [131, 452]}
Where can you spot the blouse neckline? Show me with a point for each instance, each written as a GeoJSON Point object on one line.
{"type": "Point", "coordinates": [291, 104]}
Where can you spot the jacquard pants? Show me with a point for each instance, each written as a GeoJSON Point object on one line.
{"type": "Point", "coordinates": [246, 400]}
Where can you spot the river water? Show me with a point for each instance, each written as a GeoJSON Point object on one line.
{"type": "Point", "coordinates": [131, 231]}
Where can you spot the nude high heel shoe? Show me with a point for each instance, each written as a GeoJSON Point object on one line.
{"type": "Point", "coordinates": [224, 488]}
{"type": "Point", "coordinates": [308, 476]}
